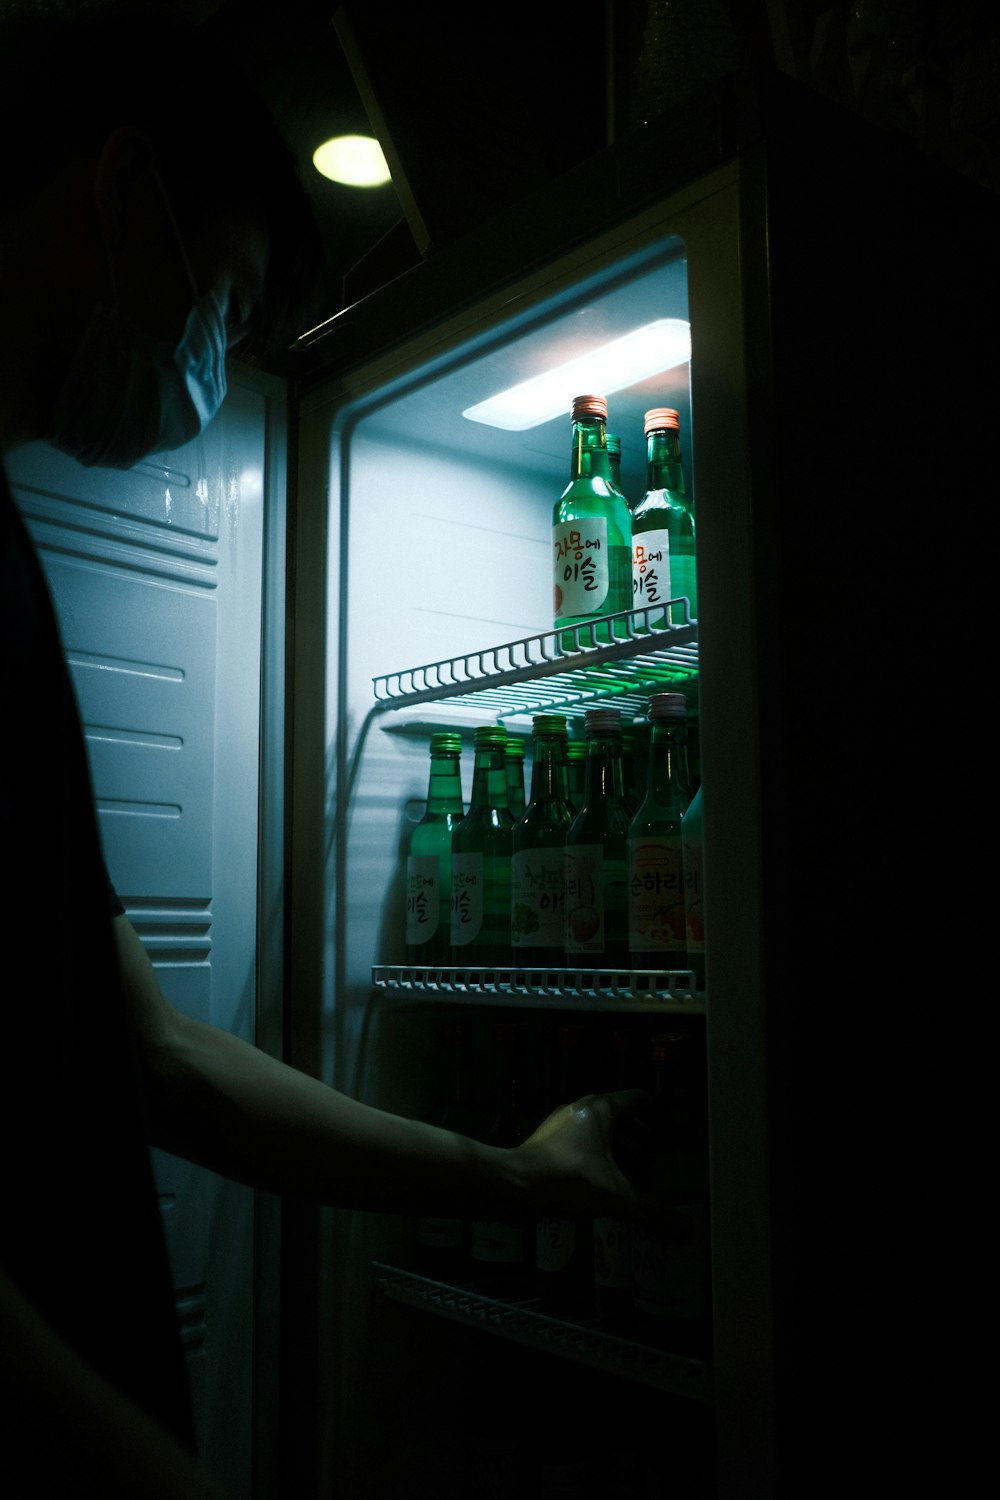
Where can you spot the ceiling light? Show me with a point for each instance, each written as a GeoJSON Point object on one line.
{"type": "Point", "coordinates": [645, 351]}
{"type": "Point", "coordinates": [356, 160]}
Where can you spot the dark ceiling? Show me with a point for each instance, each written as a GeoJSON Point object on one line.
{"type": "Point", "coordinates": [478, 109]}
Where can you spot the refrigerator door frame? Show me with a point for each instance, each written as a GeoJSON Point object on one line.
{"type": "Point", "coordinates": [707, 216]}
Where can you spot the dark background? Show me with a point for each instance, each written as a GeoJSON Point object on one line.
{"type": "Point", "coordinates": [478, 109]}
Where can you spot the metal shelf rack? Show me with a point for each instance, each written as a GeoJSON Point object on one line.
{"type": "Point", "coordinates": [583, 1342]}
{"type": "Point", "coordinates": [596, 989]}
{"type": "Point", "coordinates": [642, 651]}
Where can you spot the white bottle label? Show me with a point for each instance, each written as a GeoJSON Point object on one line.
{"type": "Point", "coordinates": [579, 566]}
{"type": "Point", "coordinates": [440, 1234]}
{"type": "Point", "coordinates": [537, 898]}
{"type": "Point", "coordinates": [584, 898]}
{"type": "Point", "coordinates": [656, 915]}
{"type": "Point", "coordinates": [422, 898]}
{"type": "Point", "coordinates": [668, 1266]}
{"type": "Point", "coordinates": [613, 1254]}
{"type": "Point", "coordinates": [497, 1242]}
{"type": "Point", "coordinates": [555, 1241]}
{"type": "Point", "coordinates": [466, 898]}
{"type": "Point", "coordinates": [650, 568]}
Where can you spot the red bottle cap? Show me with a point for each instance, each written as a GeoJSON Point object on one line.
{"type": "Point", "coordinates": [659, 417]}
{"type": "Point", "coordinates": [590, 406]}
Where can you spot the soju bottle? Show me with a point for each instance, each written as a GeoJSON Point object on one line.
{"type": "Point", "coordinates": [442, 1248]}
{"type": "Point", "coordinates": [501, 1249]}
{"type": "Point", "coordinates": [692, 844]}
{"type": "Point", "coordinates": [656, 915]}
{"type": "Point", "coordinates": [596, 851]}
{"type": "Point", "coordinates": [428, 859]}
{"type": "Point", "coordinates": [480, 860]}
{"type": "Point", "coordinates": [538, 879]}
{"type": "Point", "coordinates": [564, 1247]}
{"type": "Point", "coordinates": [615, 455]}
{"type": "Point", "coordinates": [670, 1262]}
{"type": "Point", "coordinates": [663, 565]}
{"type": "Point", "coordinates": [591, 530]}
{"type": "Point", "coordinates": [628, 771]}
{"type": "Point", "coordinates": [515, 775]}
{"type": "Point", "coordinates": [576, 765]}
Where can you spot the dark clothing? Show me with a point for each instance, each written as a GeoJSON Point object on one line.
{"type": "Point", "coordinates": [80, 1228]}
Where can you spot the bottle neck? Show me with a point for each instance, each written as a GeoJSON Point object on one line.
{"type": "Point", "coordinates": [549, 773]}
{"type": "Point", "coordinates": [663, 461]}
{"type": "Point", "coordinates": [489, 779]}
{"type": "Point", "coordinates": [590, 458]}
{"type": "Point", "coordinates": [444, 789]}
{"type": "Point", "coordinates": [604, 779]}
{"type": "Point", "coordinates": [667, 781]}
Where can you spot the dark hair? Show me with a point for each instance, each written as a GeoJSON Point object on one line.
{"type": "Point", "coordinates": [69, 77]}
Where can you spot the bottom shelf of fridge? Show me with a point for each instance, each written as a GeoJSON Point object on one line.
{"type": "Point", "coordinates": [521, 1321]}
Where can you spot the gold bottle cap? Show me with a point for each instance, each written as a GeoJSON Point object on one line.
{"type": "Point", "coordinates": [659, 417]}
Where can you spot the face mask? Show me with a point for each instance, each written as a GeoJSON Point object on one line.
{"type": "Point", "coordinates": [128, 394]}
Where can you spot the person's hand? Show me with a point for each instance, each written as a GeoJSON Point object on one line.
{"type": "Point", "coordinates": [568, 1164]}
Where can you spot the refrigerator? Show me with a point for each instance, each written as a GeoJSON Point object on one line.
{"type": "Point", "coordinates": [834, 413]}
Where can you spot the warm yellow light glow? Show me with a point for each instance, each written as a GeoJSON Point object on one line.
{"type": "Point", "coordinates": [645, 351]}
{"type": "Point", "coordinates": [356, 160]}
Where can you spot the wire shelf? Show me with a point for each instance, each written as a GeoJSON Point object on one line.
{"type": "Point", "coordinates": [583, 1342]}
{"type": "Point", "coordinates": [564, 669]}
{"type": "Point", "coordinates": [611, 989]}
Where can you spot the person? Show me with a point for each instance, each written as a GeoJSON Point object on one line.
{"type": "Point", "coordinates": [137, 248]}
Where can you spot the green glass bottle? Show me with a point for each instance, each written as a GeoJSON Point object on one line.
{"type": "Point", "coordinates": [501, 1249]}
{"type": "Point", "coordinates": [663, 553]}
{"type": "Point", "coordinates": [591, 531]}
{"type": "Point", "coordinates": [693, 848]}
{"type": "Point", "coordinates": [615, 455]}
{"type": "Point", "coordinates": [538, 878]}
{"type": "Point", "coordinates": [515, 775]}
{"type": "Point", "coordinates": [656, 916]}
{"type": "Point", "coordinates": [576, 765]}
{"type": "Point", "coordinates": [628, 771]}
{"type": "Point", "coordinates": [428, 858]}
{"type": "Point", "coordinates": [596, 852]}
{"type": "Point", "coordinates": [480, 860]}
{"type": "Point", "coordinates": [564, 1246]}
{"type": "Point", "coordinates": [670, 1257]}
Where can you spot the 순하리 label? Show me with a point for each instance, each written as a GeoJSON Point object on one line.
{"type": "Point", "coordinates": [656, 914]}
{"type": "Point", "coordinates": [579, 567]}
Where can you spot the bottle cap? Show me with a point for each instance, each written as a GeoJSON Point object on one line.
{"type": "Point", "coordinates": [489, 734]}
{"type": "Point", "coordinates": [549, 724]}
{"type": "Point", "coordinates": [613, 444]}
{"type": "Point", "coordinates": [576, 750]}
{"type": "Point", "coordinates": [516, 746]}
{"type": "Point", "coordinates": [667, 706]}
{"type": "Point", "coordinates": [603, 721]}
{"type": "Point", "coordinates": [446, 744]}
{"type": "Point", "coordinates": [660, 417]}
{"type": "Point", "coordinates": [664, 1045]}
{"type": "Point", "coordinates": [590, 406]}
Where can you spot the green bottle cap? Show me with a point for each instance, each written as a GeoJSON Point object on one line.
{"type": "Point", "coordinates": [576, 750]}
{"type": "Point", "coordinates": [446, 744]}
{"type": "Point", "coordinates": [488, 734]}
{"type": "Point", "coordinates": [549, 724]}
{"type": "Point", "coordinates": [516, 746]}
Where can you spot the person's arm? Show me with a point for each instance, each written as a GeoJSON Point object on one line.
{"type": "Point", "coordinates": [90, 1437]}
{"type": "Point", "coordinates": [221, 1102]}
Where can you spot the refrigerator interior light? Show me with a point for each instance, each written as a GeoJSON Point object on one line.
{"type": "Point", "coordinates": [646, 351]}
{"type": "Point", "coordinates": [355, 160]}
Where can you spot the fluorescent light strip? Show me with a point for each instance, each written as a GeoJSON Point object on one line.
{"type": "Point", "coordinates": [645, 351]}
